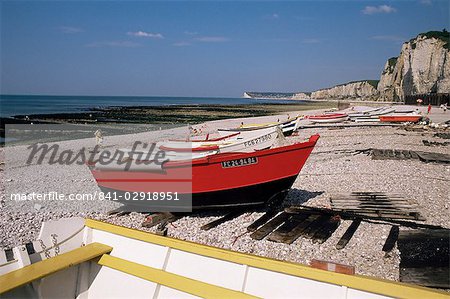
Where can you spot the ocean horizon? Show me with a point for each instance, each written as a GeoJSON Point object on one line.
{"type": "Point", "coordinates": [11, 105]}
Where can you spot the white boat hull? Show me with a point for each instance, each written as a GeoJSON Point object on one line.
{"type": "Point", "coordinates": [246, 141]}
{"type": "Point", "coordinates": [127, 263]}
{"type": "Point", "coordinates": [331, 120]}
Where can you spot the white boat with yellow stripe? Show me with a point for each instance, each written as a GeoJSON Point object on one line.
{"type": "Point", "coordinates": [77, 258]}
{"type": "Point", "coordinates": [288, 126]}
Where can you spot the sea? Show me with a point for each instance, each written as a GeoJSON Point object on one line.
{"type": "Point", "coordinates": [11, 105]}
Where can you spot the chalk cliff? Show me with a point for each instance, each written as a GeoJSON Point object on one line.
{"type": "Point", "coordinates": [300, 96]}
{"type": "Point", "coordinates": [423, 66]}
{"type": "Point", "coordinates": [361, 90]}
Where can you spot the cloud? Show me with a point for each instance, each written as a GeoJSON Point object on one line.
{"type": "Point", "coordinates": [425, 2]}
{"type": "Point", "coordinates": [391, 38]}
{"type": "Point", "coordinates": [212, 39]}
{"type": "Point", "coordinates": [119, 44]}
{"type": "Point", "coordinates": [190, 33]}
{"type": "Point", "coordinates": [273, 16]}
{"type": "Point", "coordinates": [370, 10]}
{"type": "Point", "coordinates": [145, 34]}
{"type": "Point", "coordinates": [181, 44]}
{"type": "Point", "coordinates": [70, 30]}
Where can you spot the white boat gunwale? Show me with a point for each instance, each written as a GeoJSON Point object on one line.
{"type": "Point", "coordinates": [105, 256]}
{"type": "Point", "coordinates": [27, 274]}
{"type": "Point", "coordinates": [357, 282]}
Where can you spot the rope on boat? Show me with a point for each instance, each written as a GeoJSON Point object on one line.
{"type": "Point", "coordinates": [43, 250]}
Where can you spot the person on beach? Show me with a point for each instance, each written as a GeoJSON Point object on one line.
{"type": "Point", "coordinates": [429, 109]}
{"type": "Point", "coordinates": [98, 137]}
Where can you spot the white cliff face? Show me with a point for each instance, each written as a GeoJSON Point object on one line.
{"type": "Point", "coordinates": [422, 67]}
{"type": "Point", "coordinates": [300, 96]}
{"type": "Point", "coordinates": [357, 90]}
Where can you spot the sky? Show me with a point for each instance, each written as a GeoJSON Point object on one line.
{"type": "Point", "coordinates": [203, 48]}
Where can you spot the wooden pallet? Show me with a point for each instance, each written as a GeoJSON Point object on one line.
{"type": "Point", "coordinates": [392, 206]}
{"type": "Point", "coordinates": [394, 154]}
{"type": "Point", "coordinates": [270, 226]}
{"type": "Point", "coordinates": [288, 226]}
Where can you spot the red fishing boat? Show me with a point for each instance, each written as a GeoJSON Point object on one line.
{"type": "Point", "coordinates": [400, 118]}
{"type": "Point", "coordinates": [221, 180]}
{"type": "Point", "coordinates": [328, 118]}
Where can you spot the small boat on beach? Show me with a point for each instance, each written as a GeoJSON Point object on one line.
{"type": "Point", "coordinates": [86, 258]}
{"type": "Point", "coordinates": [215, 181]}
{"type": "Point", "coordinates": [245, 141]}
{"type": "Point", "coordinates": [287, 127]}
{"type": "Point", "coordinates": [328, 118]}
{"type": "Point", "coordinates": [373, 115]}
{"type": "Point", "coordinates": [397, 118]}
{"type": "Point", "coordinates": [367, 112]}
{"type": "Point", "coordinates": [180, 150]}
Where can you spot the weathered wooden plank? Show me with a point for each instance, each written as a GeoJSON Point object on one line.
{"type": "Point", "coordinates": [379, 202]}
{"type": "Point", "coordinates": [267, 228]}
{"type": "Point", "coordinates": [383, 210]}
{"type": "Point", "coordinates": [262, 220]}
{"type": "Point", "coordinates": [381, 154]}
{"type": "Point", "coordinates": [382, 215]}
{"type": "Point", "coordinates": [315, 226]}
{"type": "Point", "coordinates": [434, 277]}
{"type": "Point", "coordinates": [348, 234]}
{"type": "Point", "coordinates": [373, 205]}
{"type": "Point", "coordinates": [376, 210]}
{"type": "Point", "coordinates": [306, 209]}
{"type": "Point", "coordinates": [327, 230]}
{"type": "Point", "coordinates": [295, 233]}
{"type": "Point", "coordinates": [367, 200]}
{"type": "Point", "coordinates": [434, 157]}
{"type": "Point", "coordinates": [280, 233]}
{"type": "Point", "coordinates": [225, 218]}
{"type": "Point", "coordinates": [387, 198]}
{"type": "Point", "coordinates": [391, 239]}
{"type": "Point", "coordinates": [371, 216]}
{"type": "Point", "coordinates": [420, 234]}
{"type": "Point", "coordinates": [399, 210]}
{"type": "Point", "coordinates": [370, 204]}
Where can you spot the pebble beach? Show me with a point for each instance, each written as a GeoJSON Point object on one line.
{"type": "Point", "coordinates": [336, 165]}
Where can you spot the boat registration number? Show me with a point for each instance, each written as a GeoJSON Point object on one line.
{"type": "Point", "coordinates": [258, 140]}
{"type": "Point", "coordinates": [239, 162]}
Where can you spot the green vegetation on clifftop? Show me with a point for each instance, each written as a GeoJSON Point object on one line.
{"type": "Point", "coordinates": [374, 83]}
{"type": "Point", "coordinates": [443, 35]}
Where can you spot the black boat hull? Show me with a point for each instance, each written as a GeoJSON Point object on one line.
{"type": "Point", "coordinates": [254, 195]}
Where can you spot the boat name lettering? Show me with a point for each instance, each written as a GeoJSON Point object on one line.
{"type": "Point", "coordinates": [258, 140]}
{"type": "Point", "coordinates": [240, 162]}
